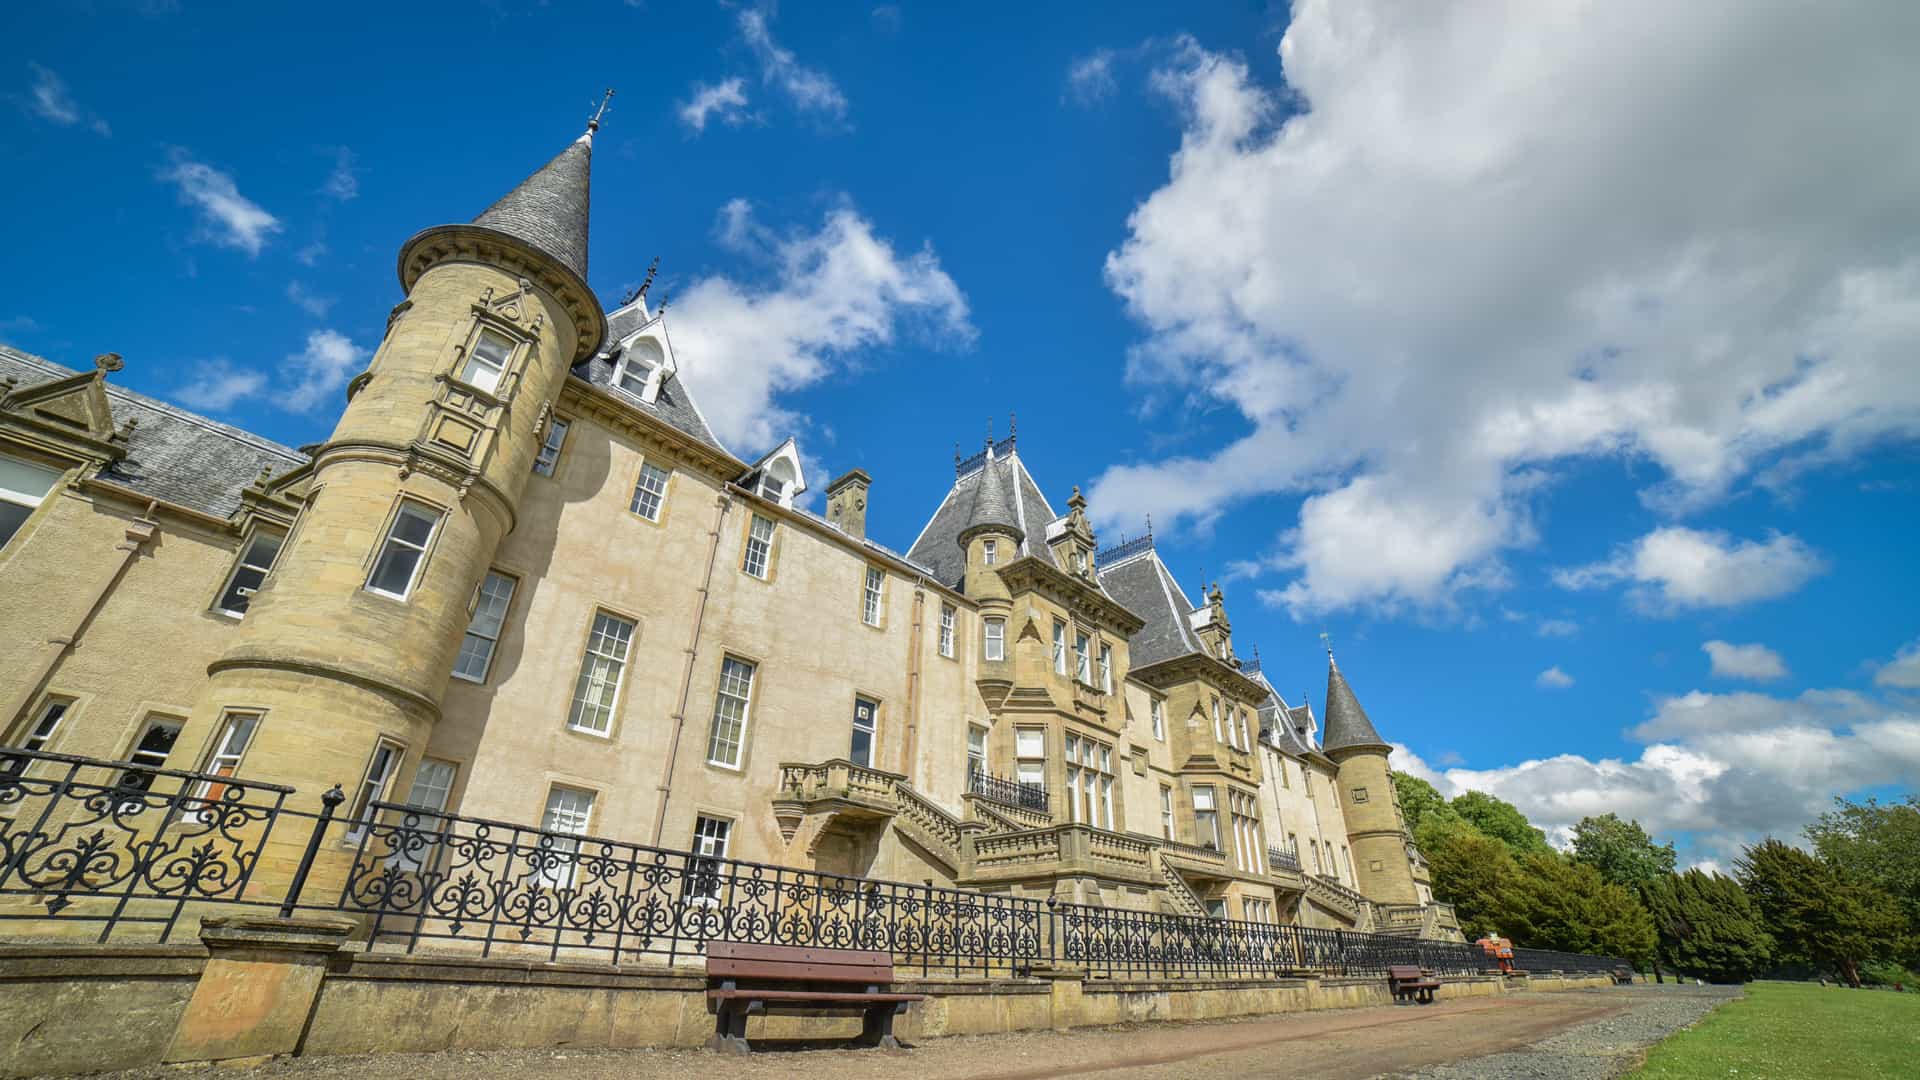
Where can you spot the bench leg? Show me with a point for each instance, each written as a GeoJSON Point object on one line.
{"type": "Point", "coordinates": [730, 1027]}
{"type": "Point", "coordinates": [876, 1026]}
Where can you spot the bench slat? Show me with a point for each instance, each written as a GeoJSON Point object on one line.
{"type": "Point", "coordinates": [736, 960]}
{"type": "Point", "coordinates": [806, 995]}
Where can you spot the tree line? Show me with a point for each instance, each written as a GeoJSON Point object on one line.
{"type": "Point", "coordinates": [1849, 908]}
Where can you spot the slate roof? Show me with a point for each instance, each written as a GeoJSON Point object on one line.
{"type": "Point", "coordinates": [1142, 584]}
{"type": "Point", "coordinates": [174, 456]}
{"type": "Point", "coordinates": [993, 501]}
{"type": "Point", "coordinates": [1288, 727]}
{"type": "Point", "coordinates": [1347, 723]}
{"type": "Point", "coordinates": [938, 547]}
{"type": "Point", "coordinates": [549, 209]}
{"type": "Point", "coordinates": [673, 404]}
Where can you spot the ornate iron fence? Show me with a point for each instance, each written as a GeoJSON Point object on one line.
{"type": "Point", "coordinates": [427, 877]}
{"type": "Point", "coordinates": [133, 850]}
{"type": "Point", "coordinates": [1007, 792]}
{"type": "Point", "coordinates": [121, 844]}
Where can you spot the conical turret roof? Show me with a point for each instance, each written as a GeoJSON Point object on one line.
{"type": "Point", "coordinates": [1347, 725]}
{"type": "Point", "coordinates": [992, 503]}
{"type": "Point", "coordinates": [549, 209]}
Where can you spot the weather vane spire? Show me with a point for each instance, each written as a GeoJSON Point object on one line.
{"type": "Point", "coordinates": [594, 124]}
{"type": "Point", "coordinates": [1328, 642]}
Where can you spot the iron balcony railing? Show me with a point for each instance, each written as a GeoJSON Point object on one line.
{"type": "Point", "coordinates": [139, 851]}
{"type": "Point", "coordinates": [1007, 792]}
{"type": "Point", "coordinates": [1284, 858]}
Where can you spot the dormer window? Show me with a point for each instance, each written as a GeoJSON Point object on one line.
{"type": "Point", "coordinates": [1079, 561]}
{"type": "Point", "coordinates": [488, 361]}
{"type": "Point", "coordinates": [640, 369]}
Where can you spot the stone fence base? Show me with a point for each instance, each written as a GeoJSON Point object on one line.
{"type": "Point", "coordinates": [262, 988]}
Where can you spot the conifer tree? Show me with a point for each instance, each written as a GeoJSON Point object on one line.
{"type": "Point", "coordinates": [1707, 927]}
{"type": "Point", "coordinates": [1819, 915]}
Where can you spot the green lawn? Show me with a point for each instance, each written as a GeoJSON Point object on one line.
{"type": "Point", "coordinates": [1785, 1031]}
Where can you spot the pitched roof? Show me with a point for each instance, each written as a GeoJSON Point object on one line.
{"type": "Point", "coordinates": [1143, 585]}
{"type": "Point", "coordinates": [1287, 727]}
{"type": "Point", "coordinates": [674, 404]}
{"type": "Point", "coordinates": [938, 546]}
{"type": "Point", "coordinates": [1347, 723]}
{"type": "Point", "coordinates": [174, 455]}
{"type": "Point", "coordinates": [548, 210]}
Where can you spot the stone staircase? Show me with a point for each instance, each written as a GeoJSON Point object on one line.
{"type": "Point", "coordinates": [1180, 897]}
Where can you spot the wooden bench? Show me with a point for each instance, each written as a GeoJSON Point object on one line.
{"type": "Point", "coordinates": [1622, 976]}
{"type": "Point", "coordinates": [1408, 981]}
{"type": "Point", "coordinates": [763, 978]}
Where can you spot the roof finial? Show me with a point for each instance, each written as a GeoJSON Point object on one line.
{"type": "Point", "coordinates": [956, 453]}
{"type": "Point", "coordinates": [1149, 526]}
{"type": "Point", "coordinates": [652, 269]}
{"type": "Point", "coordinates": [593, 125]}
{"type": "Point", "coordinates": [1328, 642]}
{"type": "Point", "coordinates": [989, 436]}
{"type": "Point", "coordinates": [1013, 426]}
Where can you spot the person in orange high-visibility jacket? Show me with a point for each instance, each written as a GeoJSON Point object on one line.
{"type": "Point", "coordinates": [1500, 949]}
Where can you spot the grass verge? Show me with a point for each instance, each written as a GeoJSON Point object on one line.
{"type": "Point", "coordinates": [1787, 1031]}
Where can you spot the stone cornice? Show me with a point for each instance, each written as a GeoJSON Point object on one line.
{"type": "Point", "coordinates": [1190, 666]}
{"type": "Point", "coordinates": [1032, 573]}
{"type": "Point", "coordinates": [491, 247]}
{"type": "Point", "coordinates": [583, 398]}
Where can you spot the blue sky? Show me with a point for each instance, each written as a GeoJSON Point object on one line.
{"type": "Point", "coordinates": [1524, 356]}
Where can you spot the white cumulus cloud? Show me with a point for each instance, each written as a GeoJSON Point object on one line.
{"type": "Point", "coordinates": [1458, 251]}
{"type": "Point", "coordinates": [305, 381]}
{"type": "Point", "coordinates": [1676, 568]}
{"type": "Point", "coordinates": [1755, 661]}
{"type": "Point", "coordinates": [227, 217]}
{"type": "Point", "coordinates": [725, 101]}
{"type": "Point", "coordinates": [824, 296]}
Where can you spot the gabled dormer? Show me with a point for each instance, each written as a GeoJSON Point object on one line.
{"type": "Point", "coordinates": [643, 359]}
{"type": "Point", "coordinates": [777, 477]}
{"type": "Point", "coordinates": [1071, 538]}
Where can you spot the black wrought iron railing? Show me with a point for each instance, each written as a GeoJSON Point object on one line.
{"type": "Point", "coordinates": [137, 851]}
{"type": "Point", "coordinates": [1007, 792]}
{"type": "Point", "coordinates": [1286, 858]}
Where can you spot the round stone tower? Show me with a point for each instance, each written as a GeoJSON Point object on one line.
{"type": "Point", "coordinates": [1375, 835]}
{"type": "Point", "coordinates": [348, 647]}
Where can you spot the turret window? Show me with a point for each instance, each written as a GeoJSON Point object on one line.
{"type": "Point", "coordinates": [488, 361]}
{"type": "Point", "coordinates": [995, 647]}
{"type": "Point", "coordinates": [398, 566]}
{"type": "Point", "coordinates": [989, 551]}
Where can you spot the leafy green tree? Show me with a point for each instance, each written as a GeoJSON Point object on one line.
{"type": "Point", "coordinates": [1879, 843]}
{"type": "Point", "coordinates": [1621, 851]}
{"type": "Point", "coordinates": [1419, 801]}
{"type": "Point", "coordinates": [1556, 903]}
{"type": "Point", "coordinates": [1707, 928]}
{"type": "Point", "coordinates": [1501, 820]}
{"type": "Point", "coordinates": [1819, 915]}
{"type": "Point", "coordinates": [1471, 870]}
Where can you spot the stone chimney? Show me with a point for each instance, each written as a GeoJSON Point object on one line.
{"type": "Point", "coordinates": [847, 502]}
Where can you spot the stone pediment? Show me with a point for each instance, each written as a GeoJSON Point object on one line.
{"type": "Point", "coordinates": [77, 404]}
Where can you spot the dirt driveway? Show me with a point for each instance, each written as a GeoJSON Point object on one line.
{"type": "Point", "coordinates": [1345, 1043]}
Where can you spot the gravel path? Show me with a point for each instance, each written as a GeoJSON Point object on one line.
{"type": "Point", "coordinates": [1344, 1044]}
{"type": "Point", "coordinates": [1598, 1050]}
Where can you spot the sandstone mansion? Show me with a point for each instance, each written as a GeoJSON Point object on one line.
{"type": "Point", "coordinates": [523, 580]}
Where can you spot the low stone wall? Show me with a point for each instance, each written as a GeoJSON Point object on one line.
{"type": "Point", "coordinates": [269, 988]}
